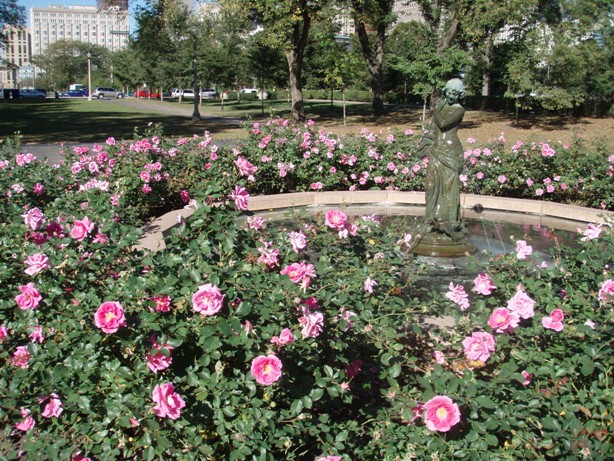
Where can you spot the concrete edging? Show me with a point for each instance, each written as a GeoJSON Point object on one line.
{"type": "Point", "coordinates": [154, 232]}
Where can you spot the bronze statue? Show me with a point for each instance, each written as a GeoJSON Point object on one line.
{"type": "Point", "coordinates": [442, 219]}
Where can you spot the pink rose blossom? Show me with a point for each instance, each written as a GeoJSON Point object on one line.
{"type": "Point", "coordinates": [255, 222]}
{"type": "Point", "coordinates": [240, 195]}
{"type": "Point", "coordinates": [335, 219]}
{"type": "Point", "coordinates": [208, 300]}
{"type": "Point", "coordinates": [439, 357]}
{"type": "Point", "coordinates": [266, 369]}
{"type": "Point", "coordinates": [110, 316]}
{"type": "Point", "coordinates": [300, 273]}
{"type": "Point", "coordinates": [479, 345]}
{"type": "Point", "coordinates": [592, 232]}
{"type": "Point", "coordinates": [168, 402]}
{"type": "Point", "coordinates": [523, 250]}
{"type": "Point", "coordinates": [330, 458]}
{"type": "Point", "coordinates": [29, 298]}
{"type": "Point", "coordinates": [539, 192]}
{"type": "Point", "coordinates": [483, 285]}
{"type": "Point", "coordinates": [81, 228]}
{"type": "Point", "coordinates": [21, 356]}
{"type": "Point", "coordinates": [159, 356]}
{"type": "Point", "coordinates": [527, 377]}
{"type": "Point", "coordinates": [36, 263]}
{"type": "Point", "coordinates": [4, 333]}
{"type": "Point", "coordinates": [458, 295]}
{"type": "Point", "coordinates": [554, 321]}
{"type": "Point", "coordinates": [606, 291]}
{"type": "Point", "coordinates": [312, 322]}
{"type": "Point", "coordinates": [162, 302]}
{"type": "Point", "coordinates": [530, 182]}
{"type": "Point", "coordinates": [502, 179]}
{"type": "Point", "coordinates": [245, 167]}
{"type": "Point", "coordinates": [285, 337]}
{"type": "Point", "coordinates": [37, 335]}
{"type": "Point", "coordinates": [28, 422]}
{"type": "Point", "coordinates": [53, 408]}
{"type": "Point", "coordinates": [441, 413]}
{"type": "Point", "coordinates": [298, 241]}
{"type": "Point", "coordinates": [34, 218]}
{"type": "Point", "coordinates": [503, 320]}
{"type": "Point", "coordinates": [369, 285]}
{"type": "Point", "coordinates": [268, 256]}
{"type": "Point", "coordinates": [522, 304]}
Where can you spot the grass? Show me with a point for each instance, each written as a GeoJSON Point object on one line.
{"type": "Point", "coordinates": [80, 120]}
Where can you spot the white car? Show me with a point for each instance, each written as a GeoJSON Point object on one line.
{"type": "Point", "coordinates": [184, 93]}
{"type": "Point", "coordinates": [208, 93]}
{"type": "Point", "coordinates": [256, 91]}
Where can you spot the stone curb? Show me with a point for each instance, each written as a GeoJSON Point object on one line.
{"type": "Point", "coordinates": [154, 232]}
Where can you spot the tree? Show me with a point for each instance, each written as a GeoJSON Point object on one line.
{"type": "Point", "coordinates": [286, 25]}
{"type": "Point", "coordinates": [65, 62]}
{"type": "Point", "coordinates": [11, 14]}
{"type": "Point", "coordinates": [372, 19]}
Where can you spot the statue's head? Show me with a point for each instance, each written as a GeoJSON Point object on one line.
{"type": "Point", "coordinates": [455, 84]}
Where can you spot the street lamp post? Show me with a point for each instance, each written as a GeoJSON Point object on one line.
{"type": "Point", "coordinates": [89, 76]}
{"type": "Point", "coordinates": [196, 113]}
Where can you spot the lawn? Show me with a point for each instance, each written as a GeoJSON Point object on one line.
{"type": "Point", "coordinates": [64, 120]}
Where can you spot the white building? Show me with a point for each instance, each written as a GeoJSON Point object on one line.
{"type": "Point", "coordinates": [109, 28]}
{"type": "Point", "coordinates": [16, 52]}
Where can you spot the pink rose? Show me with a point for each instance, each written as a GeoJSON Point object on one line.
{"type": "Point", "coordinates": [162, 302]}
{"type": "Point", "coordinates": [36, 263]}
{"type": "Point", "coordinates": [606, 291]}
{"type": "Point", "coordinates": [441, 413]}
{"type": "Point", "coordinates": [312, 322]}
{"type": "Point", "coordinates": [478, 346]}
{"type": "Point", "coordinates": [300, 273]}
{"type": "Point", "coordinates": [266, 369]}
{"type": "Point", "coordinates": [53, 408]}
{"type": "Point", "coordinates": [28, 422]}
{"type": "Point", "coordinates": [483, 284]}
{"type": "Point", "coordinates": [110, 316]}
{"type": "Point", "coordinates": [458, 295]}
{"type": "Point", "coordinates": [522, 304]}
{"type": "Point", "coordinates": [159, 356]}
{"type": "Point", "coordinates": [554, 321]}
{"type": "Point", "coordinates": [29, 297]}
{"type": "Point", "coordinates": [37, 335]}
{"type": "Point", "coordinates": [527, 377]}
{"type": "Point", "coordinates": [335, 219]}
{"type": "Point", "coordinates": [208, 300]}
{"type": "Point", "coordinates": [503, 320]}
{"type": "Point", "coordinates": [592, 232]}
{"type": "Point", "coordinates": [330, 458]}
{"type": "Point", "coordinates": [168, 402]}
{"type": "Point", "coordinates": [240, 195]}
{"type": "Point", "coordinates": [298, 241]}
{"type": "Point", "coordinates": [34, 218]}
{"type": "Point", "coordinates": [4, 333]}
{"type": "Point", "coordinates": [81, 228]}
{"type": "Point", "coordinates": [369, 285]}
{"type": "Point", "coordinates": [285, 337]}
{"type": "Point", "coordinates": [523, 250]}
{"type": "Point", "coordinates": [21, 356]}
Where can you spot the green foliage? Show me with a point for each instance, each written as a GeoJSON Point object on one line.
{"type": "Point", "coordinates": [351, 390]}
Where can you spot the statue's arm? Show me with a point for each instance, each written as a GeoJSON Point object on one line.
{"type": "Point", "coordinates": [449, 118]}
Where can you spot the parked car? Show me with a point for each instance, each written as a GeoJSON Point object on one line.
{"type": "Point", "coordinates": [147, 94]}
{"type": "Point", "coordinates": [259, 94]}
{"type": "Point", "coordinates": [106, 92]}
{"type": "Point", "coordinates": [28, 93]}
{"type": "Point", "coordinates": [184, 93]}
{"type": "Point", "coordinates": [73, 94]}
{"type": "Point", "coordinates": [208, 93]}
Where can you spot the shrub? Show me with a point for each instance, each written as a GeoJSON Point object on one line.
{"type": "Point", "coordinates": [294, 340]}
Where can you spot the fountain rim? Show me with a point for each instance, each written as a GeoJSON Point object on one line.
{"type": "Point", "coordinates": [154, 232]}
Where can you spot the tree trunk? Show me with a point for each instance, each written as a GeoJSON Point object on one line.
{"type": "Point", "coordinates": [294, 85]}
{"type": "Point", "coordinates": [374, 55]}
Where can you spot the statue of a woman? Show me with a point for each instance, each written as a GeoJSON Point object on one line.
{"type": "Point", "coordinates": [445, 162]}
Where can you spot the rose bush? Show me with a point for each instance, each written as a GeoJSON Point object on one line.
{"type": "Point", "coordinates": [243, 340]}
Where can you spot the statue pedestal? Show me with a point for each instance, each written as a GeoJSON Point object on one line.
{"type": "Point", "coordinates": [440, 245]}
